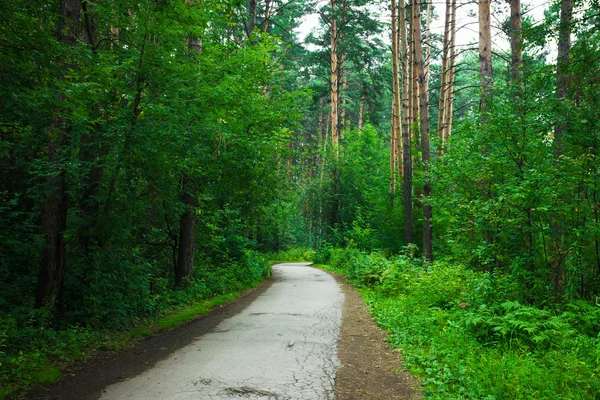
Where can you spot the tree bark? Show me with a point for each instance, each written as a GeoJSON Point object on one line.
{"type": "Point", "coordinates": [451, 75]}
{"type": "Point", "coordinates": [485, 54]}
{"type": "Point", "coordinates": [334, 116]}
{"type": "Point", "coordinates": [342, 70]}
{"type": "Point", "coordinates": [251, 5]}
{"type": "Point", "coordinates": [186, 250]}
{"type": "Point", "coordinates": [405, 118]}
{"type": "Point", "coordinates": [424, 108]}
{"type": "Point", "coordinates": [54, 215]}
{"type": "Point", "coordinates": [395, 132]}
{"type": "Point", "coordinates": [444, 75]}
{"type": "Point", "coordinates": [361, 111]}
{"type": "Point", "coordinates": [516, 40]}
{"type": "Point", "coordinates": [427, 47]}
{"type": "Point", "coordinates": [562, 64]}
{"type": "Point", "coordinates": [187, 236]}
{"type": "Point", "coordinates": [447, 79]}
{"type": "Point", "coordinates": [265, 26]}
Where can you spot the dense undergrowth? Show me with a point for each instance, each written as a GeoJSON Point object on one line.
{"type": "Point", "coordinates": [33, 350]}
{"type": "Point", "coordinates": [293, 254]}
{"type": "Point", "coordinates": [465, 334]}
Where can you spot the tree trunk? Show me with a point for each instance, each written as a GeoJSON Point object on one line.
{"type": "Point", "coordinates": [343, 95]}
{"type": "Point", "coordinates": [405, 118]}
{"type": "Point", "coordinates": [451, 74]}
{"type": "Point", "coordinates": [90, 151]}
{"type": "Point", "coordinates": [424, 108]}
{"type": "Point", "coordinates": [187, 236]}
{"type": "Point", "coordinates": [54, 215]}
{"type": "Point", "coordinates": [251, 5]}
{"type": "Point", "coordinates": [186, 251]}
{"type": "Point", "coordinates": [447, 79]}
{"type": "Point", "coordinates": [485, 54]}
{"type": "Point", "coordinates": [414, 91]}
{"type": "Point", "coordinates": [265, 26]}
{"type": "Point", "coordinates": [562, 64]}
{"type": "Point", "coordinates": [395, 133]}
{"type": "Point", "coordinates": [427, 47]}
{"type": "Point", "coordinates": [334, 79]}
{"type": "Point", "coordinates": [516, 39]}
{"type": "Point", "coordinates": [361, 111]}
{"type": "Point", "coordinates": [444, 75]}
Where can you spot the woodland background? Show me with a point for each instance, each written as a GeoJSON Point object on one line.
{"type": "Point", "coordinates": [156, 154]}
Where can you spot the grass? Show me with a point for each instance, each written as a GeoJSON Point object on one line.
{"type": "Point", "coordinates": [190, 313]}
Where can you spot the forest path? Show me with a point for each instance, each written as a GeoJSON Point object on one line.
{"type": "Point", "coordinates": [282, 346]}
{"type": "Point", "coordinates": [279, 341]}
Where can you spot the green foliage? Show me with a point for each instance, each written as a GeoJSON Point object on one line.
{"type": "Point", "coordinates": [298, 254]}
{"type": "Point", "coordinates": [193, 312]}
{"type": "Point", "coordinates": [464, 346]}
{"type": "Point", "coordinates": [134, 110]}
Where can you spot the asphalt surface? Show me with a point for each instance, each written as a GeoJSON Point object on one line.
{"type": "Point", "coordinates": [283, 346]}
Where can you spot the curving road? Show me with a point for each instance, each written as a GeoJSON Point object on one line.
{"type": "Point", "coordinates": [283, 346]}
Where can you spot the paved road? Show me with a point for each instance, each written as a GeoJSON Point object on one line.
{"type": "Point", "coordinates": [283, 347]}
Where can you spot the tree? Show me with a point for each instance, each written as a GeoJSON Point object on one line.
{"type": "Point", "coordinates": [562, 63]}
{"type": "Point", "coordinates": [406, 131]}
{"type": "Point", "coordinates": [447, 74]}
{"type": "Point", "coordinates": [52, 261]}
{"type": "Point", "coordinates": [485, 54]}
{"type": "Point", "coordinates": [516, 40]}
{"type": "Point", "coordinates": [424, 113]}
{"type": "Point", "coordinates": [396, 133]}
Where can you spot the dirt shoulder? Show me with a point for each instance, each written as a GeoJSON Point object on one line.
{"type": "Point", "coordinates": [371, 369]}
{"type": "Point", "coordinates": [86, 381]}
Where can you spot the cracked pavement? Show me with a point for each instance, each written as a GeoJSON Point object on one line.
{"type": "Point", "coordinates": [281, 347]}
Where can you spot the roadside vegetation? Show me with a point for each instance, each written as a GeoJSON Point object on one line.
{"type": "Point", "coordinates": [33, 353]}
{"type": "Point", "coordinates": [466, 335]}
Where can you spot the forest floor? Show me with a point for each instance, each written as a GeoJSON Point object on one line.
{"type": "Point", "coordinates": [291, 321]}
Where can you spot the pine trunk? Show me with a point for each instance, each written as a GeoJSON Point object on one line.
{"type": "Point", "coordinates": [562, 64]}
{"type": "Point", "coordinates": [406, 145]}
{"type": "Point", "coordinates": [361, 111]}
{"type": "Point", "coordinates": [334, 79]}
{"type": "Point", "coordinates": [485, 54]}
{"type": "Point", "coordinates": [444, 75]}
{"type": "Point", "coordinates": [395, 133]}
{"type": "Point", "coordinates": [424, 108]}
{"type": "Point", "coordinates": [516, 39]}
